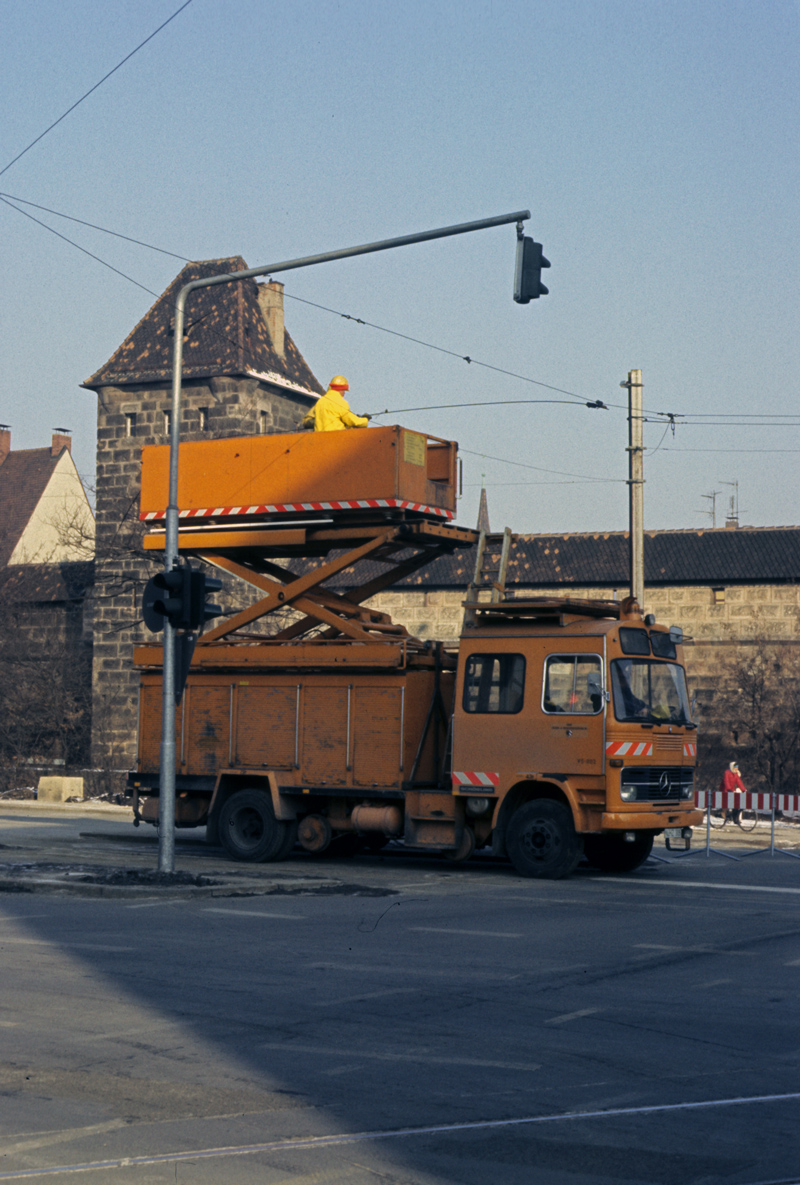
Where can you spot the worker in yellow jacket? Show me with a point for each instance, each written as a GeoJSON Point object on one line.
{"type": "Point", "coordinates": [331, 412]}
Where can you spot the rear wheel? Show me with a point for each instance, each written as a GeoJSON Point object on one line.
{"type": "Point", "coordinates": [748, 820]}
{"type": "Point", "coordinates": [248, 829]}
{"type": "Point", "coordinates": [541, 840]}
{"type": "Point", "coordinates": [611, 853]}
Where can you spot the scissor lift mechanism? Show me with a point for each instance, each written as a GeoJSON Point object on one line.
{"type": "Point", "coordinates": [333, 628]}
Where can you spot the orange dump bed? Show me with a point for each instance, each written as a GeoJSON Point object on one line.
{"type": "Point", "coordinates": [302, 472]}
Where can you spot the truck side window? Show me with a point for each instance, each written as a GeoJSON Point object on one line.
{"type": "Point", "coordinates": [494, 683]}
{"type": "Point", "coordinates": [634, 641]}
{"type": "Point", "coordinates": [573, 683]}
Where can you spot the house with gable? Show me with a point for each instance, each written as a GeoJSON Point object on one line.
{"type": "Point", "coordinates": [242, 374]}
{"type": "Point", "coordinates": [46, 574]}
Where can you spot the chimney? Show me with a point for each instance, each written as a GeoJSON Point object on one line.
{"type": "Point", "coordinates": [5, 442]}
{"type": "Point", "coordinates": [270, 298]}
{"type": "Point", "coordinates": [62, 438]}
{"type": "Point", "coordinates": [483, 513]}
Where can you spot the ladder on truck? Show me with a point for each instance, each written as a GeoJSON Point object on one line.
{"type": "Point", "coordinates": [491, 572]}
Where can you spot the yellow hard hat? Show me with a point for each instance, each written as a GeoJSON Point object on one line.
{"type": "Point", "coordinates": [339, 382]}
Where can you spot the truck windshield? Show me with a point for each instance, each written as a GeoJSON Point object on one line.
{"type": "Point", "coordinates": [649, 692]}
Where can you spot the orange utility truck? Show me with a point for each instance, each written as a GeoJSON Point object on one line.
{"type": "Point", "coordinates": [555, 728]}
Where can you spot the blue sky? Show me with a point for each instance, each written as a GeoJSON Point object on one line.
{"type": "Point", "coordinates": [655, 143]}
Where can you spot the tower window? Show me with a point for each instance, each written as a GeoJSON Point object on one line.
{"type": "Point", "coordinates": [130, 423]}
{"type": "Point", "coordinates": [167, 422]}
{"type": "Point", "coordinates": [203, 413]}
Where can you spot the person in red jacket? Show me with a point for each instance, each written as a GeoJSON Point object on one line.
{"type": "Point", "coordinates": [732, 781]}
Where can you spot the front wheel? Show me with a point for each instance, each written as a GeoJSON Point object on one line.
{"type": "Point", "coordinates": [748, 820]}
{"type": "Point", "coordinates": [612, 853]}
{"type": "Point", "coordinates": [248, 829]}
{"type": "Point", "coordinates": [541, 840]}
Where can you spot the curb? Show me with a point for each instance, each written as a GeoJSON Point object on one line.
{"type": "Point", "coordinates": [88, 808]}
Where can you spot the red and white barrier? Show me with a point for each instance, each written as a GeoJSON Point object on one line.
{"type": "Point", "coordinates": [737, 800]}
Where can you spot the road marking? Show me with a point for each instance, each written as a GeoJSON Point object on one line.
{"type": "Point", "coordinates": [253, 913]}
{"type": "Point", "coordinates": [468, 933]}
{"type": "Point", "coordinates": [668, 884]}
{"type": "Point", "coordinates": [310, 1142]}
{"type": "Point", "coordinates": [382, 1055]}
{"type": "Point", "coordinates": [700, 949]}
{"type": "Point", "coordinates": [64, 944]}
{"type": "Point", "coordinates": [560, 1020]}
{"type": "Point", "coordinates": [61, 1137]}
{"type": "Point", "coordinates": [367, 996]}
{"type": "Point", "coordinates": [714, 983]}
{"type": "Point", "coordinates": [794, 963]}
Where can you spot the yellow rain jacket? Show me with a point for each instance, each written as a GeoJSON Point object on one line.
{"type": "Point", "coordinates": [331, 413]}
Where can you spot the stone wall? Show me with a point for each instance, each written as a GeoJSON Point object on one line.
{"type": "Point", "coordinates": [716, 620]}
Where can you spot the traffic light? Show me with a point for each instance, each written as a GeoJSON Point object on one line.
{"type": "Point", "coordinates": [179, 597]}
{"type": "Point", "coordinates": [528, 273]}
{"type": "Point", "coordinates": [200, 587]}
{"type": "Point", "coordinates": [166, 598]}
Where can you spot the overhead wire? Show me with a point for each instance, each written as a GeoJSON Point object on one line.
{"type": "Point", "coordinates": [11, 197]}
{"type": "Point", "coordinates": [8, 200]}
{"type": "Point", "coordinates": [92, 89]}
{"type": "Point", "coordinates": [690, 419]}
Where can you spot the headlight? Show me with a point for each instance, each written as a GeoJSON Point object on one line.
{"type": "Point", "coordinates": [687, 789]}
{"type": "Point", "coordinates": [627, 793]}
{"type": "Point", "coordinates": [476, 806]}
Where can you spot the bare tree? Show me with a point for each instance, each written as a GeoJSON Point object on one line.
{"type": "Point", "coordinates": [754, 717]}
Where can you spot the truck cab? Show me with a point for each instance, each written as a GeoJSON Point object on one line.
{"type": "Point", "coordinates": [572, 732]}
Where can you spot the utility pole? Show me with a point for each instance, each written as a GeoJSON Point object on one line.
{"type": "Point", "coordinates": [635, 484]}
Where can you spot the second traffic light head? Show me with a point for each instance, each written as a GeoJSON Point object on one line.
{"type": "Point", "coordinates": [528, 274]}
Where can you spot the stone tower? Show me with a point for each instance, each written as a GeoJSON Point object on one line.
{"type": "Point", "coordinates": [242, 374]}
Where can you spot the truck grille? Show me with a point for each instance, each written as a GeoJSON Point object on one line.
{"type": "Point", "coordinates": [658, 784]}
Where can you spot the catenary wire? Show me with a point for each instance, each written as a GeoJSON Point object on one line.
{"type": "Point", "coordinates": [540, 469]}
{"type": "Point", "coordinates": [7, 200]}
{"type": "Point", "coordinates": [92, 225]}
{"type": "Point", "coordinates": [698, 419]}
{"type": "Point", "coordinates": [77, 245]}
{"type": "Point", "coordinates": [91, 91]}
{"type": "Point", "coordinates": [335, 312]}
{"type": "Point", "coordinates": [225, 338]}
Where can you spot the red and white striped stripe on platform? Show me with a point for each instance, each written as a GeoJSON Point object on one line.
{"type": "Point", "coordinates": [731, 800]}
{"type": "Point", "coordinates": [629, 748]}
{"type": "Point", "coordinates": [302, 508]}
{"type": "Point", "coordinates": [476, 777]}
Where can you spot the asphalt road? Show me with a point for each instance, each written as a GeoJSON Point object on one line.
{"type": "Point", "coordinates": [397, 1019]}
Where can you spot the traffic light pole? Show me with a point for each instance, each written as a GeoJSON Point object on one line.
{"type": "Point", "coordinates": [166, 809]}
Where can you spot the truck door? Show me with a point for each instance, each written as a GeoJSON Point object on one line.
{"type": "Point", "coordinates": [573, 713]}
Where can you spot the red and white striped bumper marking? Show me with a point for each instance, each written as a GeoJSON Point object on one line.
{"type": "Point", "coordinates": [629, 748]}
{"type": "Point", "coordinates": [689, 749]}
{"type": "Point", "coordinates": [734, 800]}
{"type": "Point", "coordinates": [300, 508]}
{"type": "Point", "coordinates": [484, 779]}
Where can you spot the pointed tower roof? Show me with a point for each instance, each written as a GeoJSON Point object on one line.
{"type": "Point", "coordinates": [225, 334]}
{"type": "Point", "coordinates": [483, 513]}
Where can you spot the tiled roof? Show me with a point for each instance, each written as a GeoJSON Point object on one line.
{"type": "Point", "coordinates": [748, 555]}
{"type": "Point", "coordinates": [226, 334]}
{"type": "Point", "coordinates": [24, 474]}
{"type": "Point", "coordinates": [46, 582]}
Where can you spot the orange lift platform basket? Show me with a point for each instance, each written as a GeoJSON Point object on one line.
{"type": "Point", "coordinates": [290, 513]}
